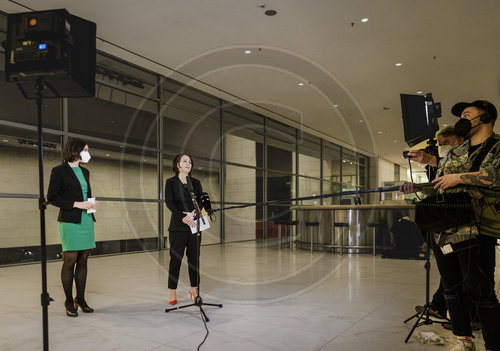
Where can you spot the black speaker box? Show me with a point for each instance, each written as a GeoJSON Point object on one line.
{"type": "Point", "coordinates": [55, 46]}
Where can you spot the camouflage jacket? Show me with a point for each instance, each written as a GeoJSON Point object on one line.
{"type": "Point", "coordinates": [459, 161]}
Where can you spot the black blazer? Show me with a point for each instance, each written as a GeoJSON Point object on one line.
{"type": "Point", "coordinates": [65, 190]}
{"type": "Point", "coordinates": [178, 200]}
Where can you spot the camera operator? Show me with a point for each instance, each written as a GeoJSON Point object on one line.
{"type": "Point", "coordinates": [470, 270]}
{"type": "Point", "coordinates": [447, 139]}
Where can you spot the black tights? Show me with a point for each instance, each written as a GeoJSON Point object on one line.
{"type": "Point", "coordinates": [68, 273]}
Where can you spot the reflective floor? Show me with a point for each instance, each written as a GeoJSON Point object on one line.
{"type": "Point", "coordinates": [273, 300]}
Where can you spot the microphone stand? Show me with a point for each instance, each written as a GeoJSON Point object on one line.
{"type": "Point", "coordinates": [198, 302]}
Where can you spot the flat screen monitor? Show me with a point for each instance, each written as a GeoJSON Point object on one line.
{"type": "Point", "coordinates": [420, 115]}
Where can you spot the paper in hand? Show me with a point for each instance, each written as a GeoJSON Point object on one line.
{"type": "Point", "coordinates": [91, 200]}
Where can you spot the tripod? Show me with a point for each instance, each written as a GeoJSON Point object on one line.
{"type": "Point", "coordinates": [425, 313]}
{"type": "Point", "coordinates": [198, 302]}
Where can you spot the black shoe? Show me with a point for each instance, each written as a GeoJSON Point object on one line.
{"type": "Point", "coordinates": [71, 310]}
{"type": "Point", "coordinates": [83, 306]}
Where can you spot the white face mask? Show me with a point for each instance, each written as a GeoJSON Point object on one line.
{"type": "Point", "coordinates": [445, 149]}
{"type": "Point", "coordinates": [85, 156]}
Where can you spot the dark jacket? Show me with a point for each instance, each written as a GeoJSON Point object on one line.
{"type": "Point", "coordinates": [178, 200]}
{"type": "Point", "coordinates": [65, 190]}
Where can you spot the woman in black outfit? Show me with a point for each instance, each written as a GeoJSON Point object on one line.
{"type": "Point", "coordinates": [179, 202]}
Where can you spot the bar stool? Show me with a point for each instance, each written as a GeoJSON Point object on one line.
{"type": "Point", "coordinates": [374, 226]}
{"type": "Point", "coordinates": [342, 226]}
{"type": "Point", "coordinates": [312, 225]}
{"type": "Point", "coordinates": [287, 222]}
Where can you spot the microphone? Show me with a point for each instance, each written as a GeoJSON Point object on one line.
{"type": "Point", "coordinates": [193, 197]}
{"type": "Point", "coordinates": [205, 201]}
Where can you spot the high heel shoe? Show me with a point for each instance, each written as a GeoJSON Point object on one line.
{"type": "Point", "coordinates": [193, 297]}
{"type": "Point", "coordinates": [83, 306]}
{"type": "Point", "coordinates": [71, 310]}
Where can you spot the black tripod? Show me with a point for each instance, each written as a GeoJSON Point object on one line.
{"type": "Point", "coordinates": [198, 302]}
{"type": "Point", "coordinates": [423, 317]}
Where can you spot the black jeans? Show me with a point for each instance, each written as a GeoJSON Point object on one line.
{"type": "Point", "coordinates": [472, 272]}
{"type": "Point", "coordinates": [180, 242]}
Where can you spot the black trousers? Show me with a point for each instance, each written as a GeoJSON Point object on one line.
{"type": "Point", "coordinates": [439, 303]}
{"type": "Point", "coordinates": [180, 242]}
{"type": "Point", "coordinates": [472, 272]}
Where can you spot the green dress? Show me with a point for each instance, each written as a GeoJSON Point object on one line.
{"type": "Point", "coordinates": [78, 236]}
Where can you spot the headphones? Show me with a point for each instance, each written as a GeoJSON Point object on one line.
{"type": "Point", "coordinates": [485, 117]}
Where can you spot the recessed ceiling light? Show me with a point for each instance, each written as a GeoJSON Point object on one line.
{"type": "Point", "coordinates": [445, 125]}
{"type": "Point", "coordinates": [301, 84]}
{"type": "Point", "coordinates": [270, 12]}
{"type": "Point", "coordinates": [364, 20]}
{"type": "Point", "coordinates": [399, 64]}
{"type": "Point", "coordinates": [107, 155]}
{"type": "Point", "coordinates": [344, 161]}
{"type": "Point", "coordinates": [248, 51]}
{"type": "Point", "coordinates": [144, 160]}
{"type": "Point", "coordinates": [5, 141]}
{"type": "Point", "coordinates": [420, 92]}
{"type": "Point", "coordinates": [361, 121]}
{"type": "Point", "coordinates": [335, 105]}
{"type": "Point", "coordinates": [395, 141]}
{"type": "Point", "coordinates": [379, 132]}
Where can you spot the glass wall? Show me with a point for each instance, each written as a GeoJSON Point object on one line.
{"type": "Point", "coordinates": [135, 125]}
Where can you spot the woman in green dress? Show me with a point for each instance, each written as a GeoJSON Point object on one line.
{"type": "Point", "coordinates": [69, 189]}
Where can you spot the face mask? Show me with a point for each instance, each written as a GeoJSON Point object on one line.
{"type": "Point", "coordinates": [85, 156]}
{"type": "Point", "coordinates": [445, 149]}
{"type": "Point", "coordinates": [464, 126]}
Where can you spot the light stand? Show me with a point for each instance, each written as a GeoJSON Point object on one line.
{"type": "Point", "coordinates": [42, 205]}
{"type": "Point", "coordinates": [198, 300]}
{"type": "Point", "coordinates": [427, 306]}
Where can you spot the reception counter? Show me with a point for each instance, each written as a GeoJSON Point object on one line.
{"type": "Point", "coordinates": [349, 228]}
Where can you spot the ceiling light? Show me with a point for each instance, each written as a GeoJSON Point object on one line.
{"type": "Point", "coordinates": [361, 121]}
{"type": "Point", "coordinates": [379, 132]}
{"type": "Point", "coordinates": [364, 20]}
{"type": "Point", "coordinates": [399, 64]}
{"type": "Point", "coordinates": [420, 92]}
{"type": "Point", "coordinates": [5, 141]}
{"type": "Point", "coordinates": [344, 161]}
{"type": "Point", "coordinates": [248, 51]}
{"type": "Point", "coordinates": [301, 84]}
{"type": "Point", "coordinates": [335, 105]}
{"type": "Point", "coordinates": [395, 141]}
{"type": "Point", "coordinates": [445, 125]}
{"type": "Point", "coordinates": [107, 155]}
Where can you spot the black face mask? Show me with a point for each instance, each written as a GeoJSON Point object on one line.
{"type": "Point", "coordinates": [464, 126]}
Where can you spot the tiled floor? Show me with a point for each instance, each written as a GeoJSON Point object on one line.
{"type": "Point", "coordinates": [273, 300]}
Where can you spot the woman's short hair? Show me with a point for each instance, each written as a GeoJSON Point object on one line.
{"type": "Point", "coordinates": [447, 132]}
{"type": "Point", "coordinates": [177, 160]}
{"type": "Point", "coordinates": [72, 149]}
